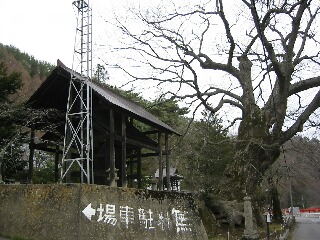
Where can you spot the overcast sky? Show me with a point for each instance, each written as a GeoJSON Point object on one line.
{"type": "Point", "coordinates": [46, 28]}
{"type": "Point", "coordinates": [42, 28]}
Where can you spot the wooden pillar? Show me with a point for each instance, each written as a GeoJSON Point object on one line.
{"type": "Point", "coordinates": [124, 153]}
{"type": "Point", "coordinates": [112, 170]}
{"type": "Point", "coordinates": [67, 178]}
{"type": "Point", "coordinates": [56, 164]}
{"type": "Point", "coordinates": [31, 155]}
{"type": "Point", "coordinates": [139, 175]}
{"type": "Point", "coordinates": [131, 172]}
{"type": "Point", "coordinates": [160, 180]}
{"type": "Point", "coordinates": [167, 162]}
{"type": "Point", "coordinates": [131, 161]}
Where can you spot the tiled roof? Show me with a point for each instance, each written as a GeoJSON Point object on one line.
{"type": "Point", "coordinates": [51, 85]}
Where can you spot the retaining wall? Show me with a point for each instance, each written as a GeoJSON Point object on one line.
{"type": "Point", "coordinates": [80, 211]}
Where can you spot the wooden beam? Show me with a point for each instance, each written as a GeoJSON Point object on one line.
{"type": "Point", "coordinates": [137, 143]}
{"type": "Point", "coordinates": [131, 172]}
{"type": "Point", "coordinates": [160, 180]}
{"type": "Point", "coordinates": [101, 127]}
{"type": "Point", "coordinates": [123, 152]}
{"type": "Point", "coordinates": [132, 161]}
{"type": "Point", "coordinates": [167, 162]}
{"type": "Point", "coordinates": [147, 154]}
{"type": "Point", "coordinates": [139, 179]}
{"type": "Point", "coordinates": [151, 132]}
{"type": "Point", "coordinates": [31, 154]}
{"type": "Point", "coordinates": [112, 172]}
{"type": "Point", "coordinates": [133, 142]}
{"type": "Point", "coordinates": [67, 163]}
{"type": "Point", "coordinates": [56, 164]}
{"type": "Point", "coordinates": [46, 148]}
{"type": "Point", "coordinates": [134, 176]}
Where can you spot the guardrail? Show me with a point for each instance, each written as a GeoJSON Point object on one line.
{"type": "Point", "coordinates": [310, 210]}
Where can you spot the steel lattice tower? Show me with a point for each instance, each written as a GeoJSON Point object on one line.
{"type": "Point", "coordinates": [78, 140]}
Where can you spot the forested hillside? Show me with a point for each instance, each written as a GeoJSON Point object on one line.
{"type": "Point", "coordinates": [20, 75]}
{"type": "Point", "coordinates": [33, 71]}
{"type": "Point", "coordinates": [299, 163]}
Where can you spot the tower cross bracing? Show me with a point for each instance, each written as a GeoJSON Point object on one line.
{"type": "Point", "coordinates": [78, 139]}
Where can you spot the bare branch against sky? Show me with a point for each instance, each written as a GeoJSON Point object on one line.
{"type": "Point", "coordinates": [183, 38]}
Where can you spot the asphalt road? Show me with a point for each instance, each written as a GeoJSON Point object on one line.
{"type": "Point", "coordinates": [306, 228]}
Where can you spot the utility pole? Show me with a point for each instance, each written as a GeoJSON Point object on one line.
{"type": "Point", "coordinates": [291, 197]}
{"type": "Point", "coordinates": [78, 140]}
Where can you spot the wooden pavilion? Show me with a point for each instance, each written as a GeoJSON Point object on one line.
{"type": "Point", "coordinates": [118, 143]}
{"type": "Point", "coordinates": [174, 179]}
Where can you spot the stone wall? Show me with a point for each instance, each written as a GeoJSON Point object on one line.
{"type": "Point", "coordinates": [79, 211]}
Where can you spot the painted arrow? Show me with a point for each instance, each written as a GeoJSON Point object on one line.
{"type": "Point", "coordinates": [89, 211]}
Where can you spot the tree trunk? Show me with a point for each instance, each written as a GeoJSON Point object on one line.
{"type": "Point", "coordinates": [255, 152]}
{"type": "Point", "coordinates": [255, 148]}
{"type": "Point", "coordinates": [274, 199]}
{"type": "Point", "coordinates": [245, 173]}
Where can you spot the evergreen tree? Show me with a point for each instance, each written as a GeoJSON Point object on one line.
{"type": "Point", "coordinates": [101, 74]}
{"type": "Point", "coordinates": [203, 153]}
{"type": "Point", "coordinates": [9, 84]}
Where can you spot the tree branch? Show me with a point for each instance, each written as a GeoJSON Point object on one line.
{"type": "Point", "coordinates": [268, 46]}
{"type": "Point", "coordinates": [304, 116]}
{"type": "Point", "coordinates": [228, 33]}
{"type": "Point", "coordinates": [305, 35]}
{"type": "Point", "coordinates": [304, 85]}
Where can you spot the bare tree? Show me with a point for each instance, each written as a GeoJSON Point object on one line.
{"type": "Point", "coordinates": [255, 62]}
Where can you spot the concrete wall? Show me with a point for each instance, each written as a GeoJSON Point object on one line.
{"type": "Point", "coordinates": [79, 211]}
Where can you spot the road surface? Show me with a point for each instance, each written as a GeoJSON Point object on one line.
{"type": "Point", "coordinates": [307, 227]}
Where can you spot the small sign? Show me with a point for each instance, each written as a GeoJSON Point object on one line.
{"type": "Point", "coordinates": [268, 218]}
